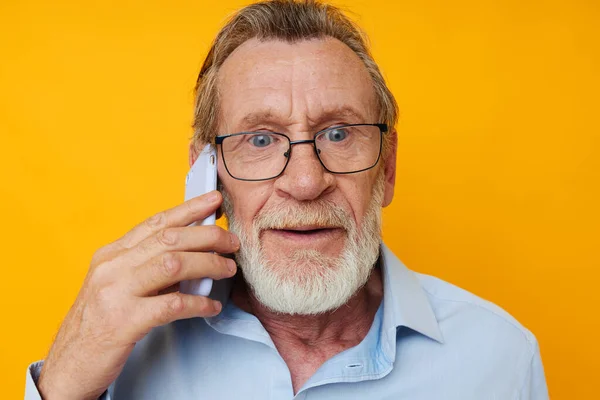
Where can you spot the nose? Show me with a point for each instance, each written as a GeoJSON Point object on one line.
{"type": "Point", "coordinates": [304, 178]}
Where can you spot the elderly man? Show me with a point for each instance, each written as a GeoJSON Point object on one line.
{"type": "Point", "coordinates": [304, 126]}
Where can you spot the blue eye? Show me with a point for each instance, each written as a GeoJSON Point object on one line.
{"type": "Point", "coordinates": [261, 140]}
{"type": "Point", "coordinates": [336, 135]}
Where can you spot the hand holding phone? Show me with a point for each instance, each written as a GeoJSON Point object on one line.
{"type": "Point", "coordinates": [128, 293]}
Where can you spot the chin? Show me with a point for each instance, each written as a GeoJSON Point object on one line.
{"type": "Point", "coordinates": [305, 282]}
{"type": "Point", "coordinates": [301, 265]}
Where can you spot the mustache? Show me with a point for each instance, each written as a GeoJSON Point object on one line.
{"type": "Point", "coordinates": [318, 213]}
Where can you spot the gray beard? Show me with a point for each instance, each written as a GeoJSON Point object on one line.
{"type": "Point", "coordinates": [307, 282]}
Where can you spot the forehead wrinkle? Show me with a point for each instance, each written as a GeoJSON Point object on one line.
{"type": "Point", "coordinates": [328, 104]}
{"type": "Point", "coordinates": [297, 88]}
{"type": "Point", "coordinates": [251, 80]}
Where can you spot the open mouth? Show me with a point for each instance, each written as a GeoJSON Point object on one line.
{"type": "Point", "coordinates": [307, 233]}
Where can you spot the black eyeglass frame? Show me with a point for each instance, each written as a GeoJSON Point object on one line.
{"type": "Point", "coordinates": [383, 128]}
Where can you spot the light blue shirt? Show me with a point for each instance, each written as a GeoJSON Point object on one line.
{"type": "Point", "coordinates": [429, 340]}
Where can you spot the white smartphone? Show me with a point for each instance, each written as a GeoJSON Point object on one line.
{"type": "Point", "coordinates": [201, 179]}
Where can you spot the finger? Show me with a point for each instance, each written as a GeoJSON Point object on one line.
{"type": "Point", "coordinates": [190, 238]}
{"type": "Point", "coordinates": [196, 209]}
{"type": "Point", "coordinates": [169, 268]}
{"type": "Point", "coordinates": [160, 310]}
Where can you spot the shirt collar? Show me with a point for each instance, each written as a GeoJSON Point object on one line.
{"type": "Point", "coordinates": [404, 303]}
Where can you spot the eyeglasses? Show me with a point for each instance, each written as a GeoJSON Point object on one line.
{"type": "Point", "coordinates": [259, 156]}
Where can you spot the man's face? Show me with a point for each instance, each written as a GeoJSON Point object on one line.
{"type": "Point", "coordinates": [299, 89]}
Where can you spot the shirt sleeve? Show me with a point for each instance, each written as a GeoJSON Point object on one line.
{"type": "Point", "coordinates": [534, 387]}
{"type": "Point", "coordinates": [33, 374]}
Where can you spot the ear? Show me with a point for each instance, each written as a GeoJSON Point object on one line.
{"type": "Point", "coordinates": [193, 153]}
{"type": "Point", "coordinates": [390, 169]}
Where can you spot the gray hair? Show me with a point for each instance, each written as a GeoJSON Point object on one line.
{"type": "Point", "coordinates": [291, 21]}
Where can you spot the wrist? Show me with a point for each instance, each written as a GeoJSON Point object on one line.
{"type": "Point", "coordinates": [51, 387]}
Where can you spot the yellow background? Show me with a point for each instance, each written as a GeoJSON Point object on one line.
{"type": "Point", "coordinates": [498, 160]}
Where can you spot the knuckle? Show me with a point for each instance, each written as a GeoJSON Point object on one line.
{"type": "Point", "coordinates": [175, 304]}
{"type": "Point", "coordinates": [171, 264]}
{"type": "Point", "coordinates": [107, 253]}
{"type": "Point", "coordinates": [101, 274]}
{"type": "Point", "coordinates": [104, 295]}
{"type": "Point", "coordinates": [167, 237]}
{"type": "Point", "coordinates": [191, 207]}
{"type": "Point", "coordinates": [171, 305]}
{"type": "Point", "coordinates": [98, 256]}
{"type": "Point", "coordinates": [158, 220]}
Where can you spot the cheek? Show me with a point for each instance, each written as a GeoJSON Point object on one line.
{"type": "Point", "coordinates": [247, 198]}
{"type": "Point", "coordinates": [222, 174]}
{"type": "Point", "coordinates": [357, 194]}
{"type": "Point", "coordinates": [246, 205]}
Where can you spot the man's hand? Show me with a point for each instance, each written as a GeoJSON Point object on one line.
{"type": "Point", "coordinates": [130, 288]}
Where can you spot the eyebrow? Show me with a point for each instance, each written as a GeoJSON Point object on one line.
{"type": "Point", "coordinates": [257, 117]}
{"type": "Point", "coordinates": [345, 111]}
{"type": "Point", "coordinates": [268, 116]}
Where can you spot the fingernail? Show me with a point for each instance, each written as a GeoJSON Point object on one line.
{"type": "Point", "coordinates": [231, 265]}
{"type": "Point", "coordinates": [234, 240]}
{"type": "Point", "coordinates": [217, 306]}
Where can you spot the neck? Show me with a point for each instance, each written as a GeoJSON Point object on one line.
{"type": "Point", "coordinates": [305, 342]}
